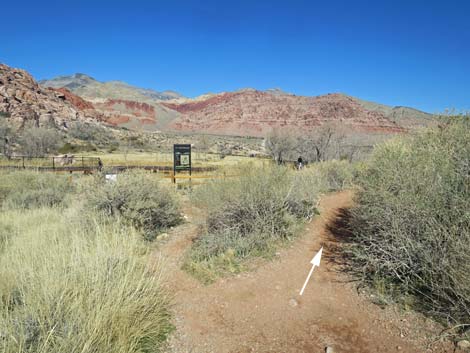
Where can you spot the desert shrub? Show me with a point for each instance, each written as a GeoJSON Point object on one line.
{"type": "Point", "coordinates": [67, 289]}
{"type": "Point", "coordinates": [72, 148]}
{"type": "Point", "coordinates": [411, 225]}
{"type": "Point", "coordinates": [331, 175]}
{"type": "Point", "coordinates": [90, 132]}
{"type": "Point", "coordinates": [139, 199]}
{"type": "Point", "coordinates": [28, 189]}
{"type": "Point", "coordinates": [113, 147]}
{"type": "Point", "coordinates": [248, 215]}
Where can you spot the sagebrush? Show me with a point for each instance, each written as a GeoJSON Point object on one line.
{"type": "Point", "coordinates": [247, 215]}
{"type": "Point", "coordinates": [411, 226]}
{"type": "Point", "coordinates": [139, 199]}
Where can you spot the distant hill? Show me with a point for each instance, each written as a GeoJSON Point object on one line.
{"type": "Point", "coordinates": [246, 112]}
{"type": "Point", "coordinates": [89, 88]}
{"type": "Point", "coordinates": [254, 113]}
{"type": "Point", "coordinates": [403, 116]}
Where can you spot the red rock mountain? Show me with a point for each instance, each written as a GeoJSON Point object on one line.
{"type": "Point", "coordinates": [245, 113]}
{"type": "Point", "coordinates": [254, 113]}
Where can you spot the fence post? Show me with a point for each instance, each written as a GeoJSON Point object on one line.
{"type": "Point", "coordinates": [23, 161]}
{"type": "Point", "coordinates": [83, 163]}
{"type": "Point", "coordinates": [53, 163]}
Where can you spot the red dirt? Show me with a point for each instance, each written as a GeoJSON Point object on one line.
{"type": "Point", "coordinates": [75, 100]}
{"type": "Point", "coordinates": [118, 119]}
{"type": "Point", "coordinates": [147, 121]}
{"type": "Point", "coordinates": [252, 312]}
{"type": "Point", "coordinates": [136, 107]}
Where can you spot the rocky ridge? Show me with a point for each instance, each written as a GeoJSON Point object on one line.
{"type": "Point", "coordinates": [90, 88]}
{"type": "Point", "coordinates": [24, 101]}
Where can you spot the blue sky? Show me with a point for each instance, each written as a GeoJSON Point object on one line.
{"type": "Point", "coordinates": [413, 53]}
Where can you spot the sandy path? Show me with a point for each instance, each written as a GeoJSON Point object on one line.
{"type": "Point", "coordinates": [262, 311]}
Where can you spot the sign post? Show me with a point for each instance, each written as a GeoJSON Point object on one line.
{"type": "Point", "coordinates": [181, 159]}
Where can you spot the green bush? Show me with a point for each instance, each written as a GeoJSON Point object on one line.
{"type": "Point", "coordinates": [64, 288]}
{"type": "Point", "coordinates": [411, 224]}
{"type": "Point", "coordinates": [139, 199]}
{"type": "Point", "coordinates": [27, 189]}
{"type": "Point", "coordinates": [71, 148]}
{"type": "Point", "coordinates": [248, 215]}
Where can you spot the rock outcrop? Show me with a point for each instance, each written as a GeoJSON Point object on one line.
{"type": "Point", "coordinates": [24, 101]}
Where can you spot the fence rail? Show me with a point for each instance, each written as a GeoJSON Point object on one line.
{"type": "Point", "coordinates": [80, 164]}
{"type": "Point", "coordinates": [53, 163]}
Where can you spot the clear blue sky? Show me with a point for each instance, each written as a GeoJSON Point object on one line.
{"type": "Point", "coordinates": [414, 53]}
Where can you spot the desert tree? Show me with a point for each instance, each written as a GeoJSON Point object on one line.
{"type": "Point", "coordinates": [322, 143]}
{"type": "Point", "coordinates": [7, 137]}
{"type": "Point", "coordinates": [224, 150]}
{"type": "Point", "coordinates": [39, 141]}
{"type": "Point", "coordinates": [204, 144]}
{"type": "Point", "coordinates": [280, 143]}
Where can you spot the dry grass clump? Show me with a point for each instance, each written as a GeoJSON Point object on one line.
{"type": "Point", "coordinates": [328, 176]}
{"type": "Point", "coordinates": [411, 225]}
{"type": "Point", "coordinates": [137, 198]}
{"type": "Point", "coordinates": [29, 189]}
{"type": "Point", "coordinates": [64, 288]}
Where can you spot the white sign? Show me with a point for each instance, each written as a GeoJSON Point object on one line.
{"type": "Point", "coordinates": [111, 177]}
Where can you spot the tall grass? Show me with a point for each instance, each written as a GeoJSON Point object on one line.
{"type": "Point", "coordinates": [411, 225]}
{"type": "Point", "coordinates": [29, 189]}
{"type": "Point", "coordinates": [328, 176]}
{"type": "Point", "coordinates": [65, 287]}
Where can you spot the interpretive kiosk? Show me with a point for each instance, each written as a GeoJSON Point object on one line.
{"type": "Point", "coordinates": [181, 158]}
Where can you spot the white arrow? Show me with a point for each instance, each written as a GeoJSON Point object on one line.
{"type": "Point", "coordinates": [315, 262]}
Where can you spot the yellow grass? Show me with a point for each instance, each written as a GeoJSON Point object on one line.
{"type": "Point", "coordinates": [72, 284]}
{"type": "Point", "coordinates": [166, 159]}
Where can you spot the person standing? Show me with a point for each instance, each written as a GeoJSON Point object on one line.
{"type": "Point", "coordinates": [299, 163]}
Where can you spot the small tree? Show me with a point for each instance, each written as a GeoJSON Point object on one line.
{"type": "Point", "coordinates": [279, 144]}
{"type": "Point", "coordinates": [7, 137]}
{"type": "Point", "coordinates": [38, 142]}
{"type": "Point", "coordinates": [324, 143]}
{"type": "Point", "coordinates": [204, 143]}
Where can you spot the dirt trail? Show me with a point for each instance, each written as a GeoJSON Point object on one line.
{"type": "Point", "coordinates": [262, 311]}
